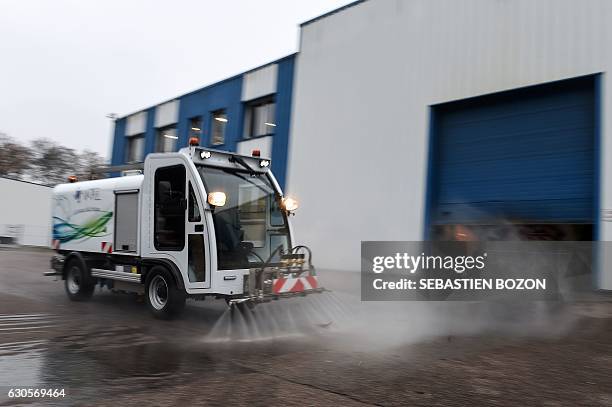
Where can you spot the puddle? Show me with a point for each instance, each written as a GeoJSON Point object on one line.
{"type": "Point", "coordinates": [10, 323]}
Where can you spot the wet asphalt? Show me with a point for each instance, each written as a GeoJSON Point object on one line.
{"type": "Point", "coordinates": [338, 351]}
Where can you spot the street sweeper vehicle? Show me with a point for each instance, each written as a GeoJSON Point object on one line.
{"type": "Point", "coordinates": [193, 224]}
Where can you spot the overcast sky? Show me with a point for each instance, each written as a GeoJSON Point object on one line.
{"type": "Point", "coordinates": [65, 64]}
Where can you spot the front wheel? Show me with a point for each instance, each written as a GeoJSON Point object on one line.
{"type": "Point", "coordinates": [78, 283]}
{"type": "Point", "coordinates": [164, 298]}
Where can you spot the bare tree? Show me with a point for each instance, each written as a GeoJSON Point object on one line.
{"type": "Point", "coordinates": [51, 162]}
{"type": "Point", "coordinates": [87, 162]}
{"type": "Point", "coordinates": [46, 162]}
{"type": "Point", "coordinates": [14, 160]}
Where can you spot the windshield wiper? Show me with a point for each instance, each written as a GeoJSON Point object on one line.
{"type": "Point", "coordinates": [250, 182]}
{"type": "Point", "coordinates": [234, 159]}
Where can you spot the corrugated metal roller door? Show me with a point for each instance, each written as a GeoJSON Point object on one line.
{"type": "Point", "coordinates": [526, 155]}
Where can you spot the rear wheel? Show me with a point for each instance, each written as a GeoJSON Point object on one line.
{"type": "Point", "coordinates": [79, 285]}
{"type": "Point", "coordinates": [164, 298]}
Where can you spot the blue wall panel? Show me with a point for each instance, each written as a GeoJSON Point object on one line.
{"type": "Point", "coordinates": [280, 143]}
{"type": "Point", "coordinates": [524, 155]}
{"type": "Point", "coordinates": [222, 95]}
{"type": "Point", "coordinates": [150, 132]}
{"type": "Point", "coordinates": [118, 157]}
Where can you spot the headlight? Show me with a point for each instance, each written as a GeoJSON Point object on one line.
{"type": "Point", "coordinates": [290, 204]}
{"type": "Point", "coordinates": [216, 198]}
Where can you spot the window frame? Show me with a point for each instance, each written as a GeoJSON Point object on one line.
{"type": "Point", "coordinates": [129, 140]}
{"type": "Point", "coordinates": [156, 244]}
{"type": "Point", "coordinates": [159, 135]}
{"type": "Point", "coordinates": [190, 123]}
{"type": "Point", "coordinates": [192, 201]}
{"type": "Point", "coordinates": [213, 113]}
{"type": "Point", "coordinates": [249, 121]}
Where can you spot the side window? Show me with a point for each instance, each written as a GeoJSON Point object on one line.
{"type": "Point", "coordinates": [259, 118]}
{"type": "Point", "coordinates": [252, 214]}
{"type": "Point", "coordinates": [166, 140]}
{"type": "Point", "coordinates": [135, 149]}
{"type": "Point", "coordinates": [276, 215]}
{"type": "Point", "coordinates": [170, 205]}
{"type": "Point", "coordinates": [194, 209]}
{"type": "Point", "coordinates": [218, 123]}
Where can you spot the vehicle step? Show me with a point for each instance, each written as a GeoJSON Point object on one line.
{"type": "Point", "coordinates": [116, 275]}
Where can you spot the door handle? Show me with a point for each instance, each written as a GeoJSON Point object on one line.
{"type": "Point", "coordinates": [199, 228]}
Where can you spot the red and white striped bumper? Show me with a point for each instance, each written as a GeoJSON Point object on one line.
{"type": "Point", "coordinates": [294, 285]}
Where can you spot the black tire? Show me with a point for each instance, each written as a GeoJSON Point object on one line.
{"type": "Point", "coordinates": [78, 283]}
{"type": "Point", "coordinates": [164, 299]}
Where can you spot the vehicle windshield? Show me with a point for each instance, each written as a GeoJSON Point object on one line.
{"type": "Point", "coordinates": [251, 226]}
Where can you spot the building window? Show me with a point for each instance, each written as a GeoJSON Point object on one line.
{"type": "Point", "coordinates": [166, 140]}
{"type": "Point", "coordinates": [195, 127]}
{"type": "Point", "coordinates": [218, 125]}
{"type": "Point", "coordinates": [259, 119]}
{"type": "Point", "coordinates": [135, 149]}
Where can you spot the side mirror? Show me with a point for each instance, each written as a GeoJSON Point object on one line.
{"type": "Point", "coordinates": [216, 198]}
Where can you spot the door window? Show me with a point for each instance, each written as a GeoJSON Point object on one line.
{"type": "Point", "coordinates": [197, 271]}
{"type": "Point", "coordinates": [170, 205]}
{"type": "Point", "coordinates": [194, 209]}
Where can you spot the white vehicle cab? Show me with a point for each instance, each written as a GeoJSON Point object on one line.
{"type": "Point", "coordinates": [195, 223]}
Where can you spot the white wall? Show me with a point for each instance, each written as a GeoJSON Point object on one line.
{"type": "Point", "coordinates": [25, 209]}
{"type": "Point", "coordinates": [366, 76]}
{"type": "Point", "coordinates": [258, 83]}
{"type": "Point", "coordinates": [264, 144]}
{"type": "Point", "coordinates": [136, 124]}
{"type": "Point", "coordinates": [167, 113]}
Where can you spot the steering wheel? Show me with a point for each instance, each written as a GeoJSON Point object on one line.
{"type": "Point", "coordinates": [248, 248]}
{"type": "Point", "coordinates": [252, 252]}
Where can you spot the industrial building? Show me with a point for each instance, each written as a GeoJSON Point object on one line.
{"type": "Point", "coordinates": [412, 116]}
{"type": "Point", "coordinates": [245, 112]}
{"type": "Point", "coordinates": [423, 114]}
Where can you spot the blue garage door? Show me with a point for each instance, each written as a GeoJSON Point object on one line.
{"type": "Point", "coordinates": [525, 156]}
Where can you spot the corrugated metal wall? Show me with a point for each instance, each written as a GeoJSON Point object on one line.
{"type": "Point", "coordinates": [523, 156]}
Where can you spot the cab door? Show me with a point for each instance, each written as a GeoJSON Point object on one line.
{"type": "Point", "coordinates": [177, 229]}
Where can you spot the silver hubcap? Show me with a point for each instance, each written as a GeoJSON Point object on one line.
{"type": "Point", "coordinates": [158, 292]}
{"type": "Point", "coordinates": [74, 280]}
